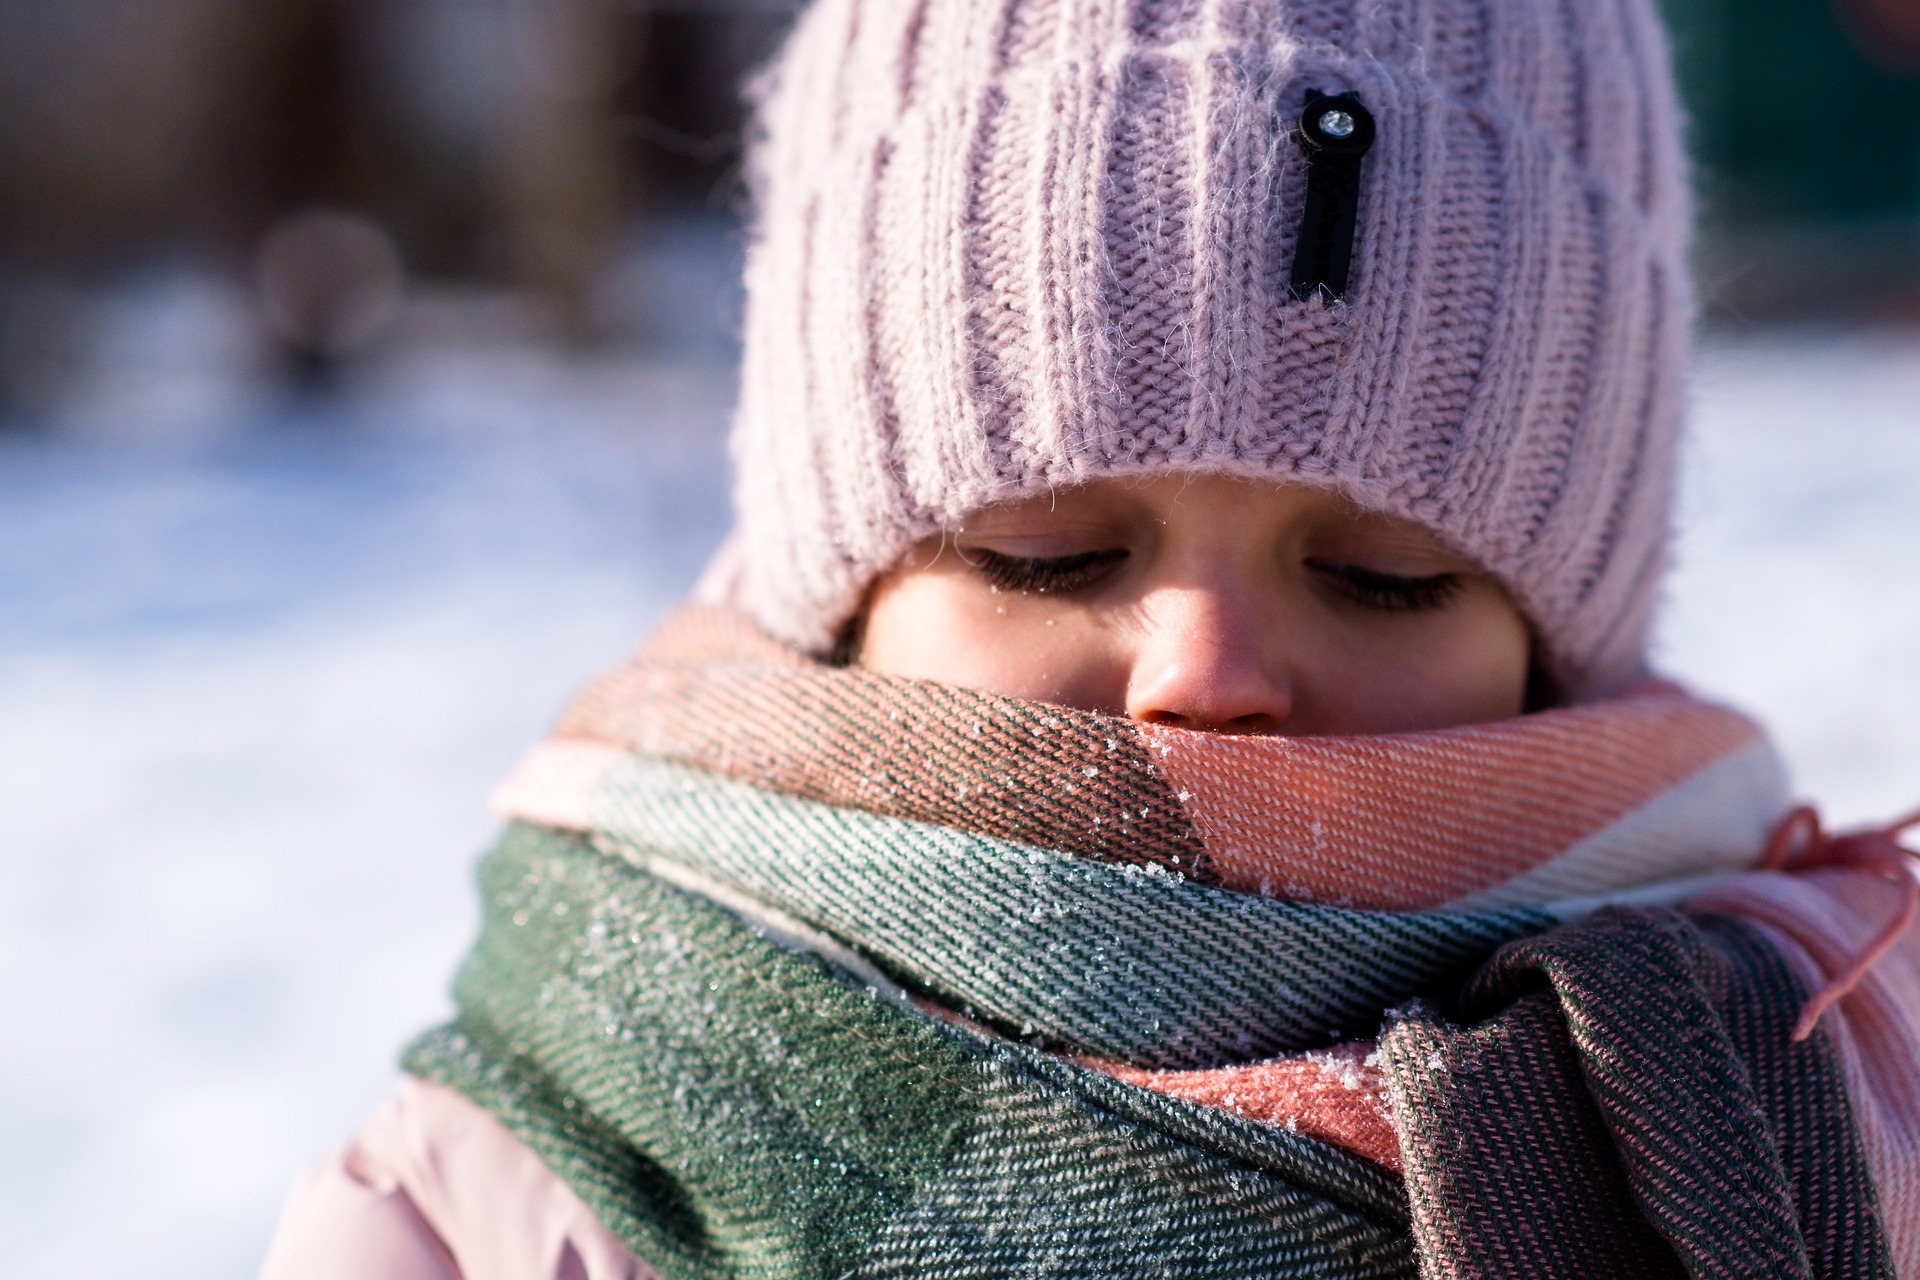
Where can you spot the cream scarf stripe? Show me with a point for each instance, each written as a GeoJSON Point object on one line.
{"type": "Point", "coordinates": [1129, 963]}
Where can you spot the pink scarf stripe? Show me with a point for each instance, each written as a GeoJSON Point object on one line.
{"type": "Point", "coordinates": [1378, 822]}
{"type": "Point", "coordinates": [1585, 802]}
{"type": "Point", "coordinates": [1820, 920]}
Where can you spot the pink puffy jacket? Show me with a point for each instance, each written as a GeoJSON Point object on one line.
{"type": "Point", "coordinates": [434, 1188]}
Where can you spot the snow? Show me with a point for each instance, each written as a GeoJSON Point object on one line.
{"type": "Point", "coordinates": [261, 660]}
{"type": "Point", "coordinates": [255, 689]}
{"type": "Point", "coordinates": [1797, 595]}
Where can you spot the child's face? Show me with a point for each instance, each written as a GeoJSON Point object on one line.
{"type": "Point", "coordinates": [1207, 603]}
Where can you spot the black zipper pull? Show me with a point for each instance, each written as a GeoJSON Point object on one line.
{"type": "Point", "coordinates": [1335, 132]}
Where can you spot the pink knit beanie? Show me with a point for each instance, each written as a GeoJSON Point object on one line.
{"type": "Point", "coordinates": [1006, 245]}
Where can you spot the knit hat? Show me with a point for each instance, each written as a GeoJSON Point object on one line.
{"type": "Point", "coordinates": [1008, 245]}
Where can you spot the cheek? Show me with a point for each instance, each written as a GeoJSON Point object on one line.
{"type": "Point", "coordinates": [1468, 665]}
{"type": "Point", "coordinates": [1485, 677]}
{"type": "Point", "coordinates": [949, 628]}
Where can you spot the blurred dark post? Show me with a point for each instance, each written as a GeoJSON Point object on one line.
{"type": "Point", "coordinates": [99, 126]}
{"type": "Point", "coordinates": [681, 106]}
{"type": "Point", "coordinates": [560, 180]}
{"type": "Point", "coordinates": [322, 152]}
{"type": "Point", "coordinates": [102, 107]}
{"type": "Point", "coordinates": [299, 156]}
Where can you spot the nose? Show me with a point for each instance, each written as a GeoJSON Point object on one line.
{"type": "Point", "coordinates": [1204, 661]}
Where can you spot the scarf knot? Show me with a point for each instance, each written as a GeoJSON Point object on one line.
{"type": "Point", "coordinates": [1799, 843]}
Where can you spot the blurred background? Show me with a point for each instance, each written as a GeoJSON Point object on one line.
{"type": "Point", "coordinates": [364, 368]}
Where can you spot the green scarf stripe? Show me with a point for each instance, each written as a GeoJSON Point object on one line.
{"type": "Point", "coordinates": [730, 1108]}
{"type": "Point", "coordinates": [1126, 962]}
{"type": "Point", "coordinates": [672, 1011]}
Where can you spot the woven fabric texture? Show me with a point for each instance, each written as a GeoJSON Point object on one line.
{"type": "Point", "coordinates": [1655, 786]}
{"type": "Point", "coordinates": [733, 1109]}
{"type": "Point", "coordinates": [1005, 245]}
{"type": "Point", "coordinates": [731, 1105]}
{"type": "Point", "coordinates": [767, 1033]}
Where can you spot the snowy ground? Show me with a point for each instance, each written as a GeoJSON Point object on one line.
{"type": "Point", "coordinates": [261, 661]}
{"type": "Point", "coordinates": [1797, 594]}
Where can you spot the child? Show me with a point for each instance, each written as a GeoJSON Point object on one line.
{"type": "Point", "coordinates": [1164, 779]}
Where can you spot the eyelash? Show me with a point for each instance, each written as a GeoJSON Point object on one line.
{"type": "Point", "coordinates": [1059, 575]}
{"type": "Point", "coordinates": [1044, 575]}
{"type": "Point", "coordinates": [1389, 591]}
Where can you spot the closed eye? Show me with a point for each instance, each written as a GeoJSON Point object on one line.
{"type": "Point", "coordinates": [1044, 575]}
{"type": "Point", "coordinates": [1390, 592]}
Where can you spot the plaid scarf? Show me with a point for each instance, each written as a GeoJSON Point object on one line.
{"type": "Point", "coordinates": [800, 972]}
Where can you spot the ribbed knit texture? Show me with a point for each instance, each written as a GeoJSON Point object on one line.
{"type": "Point", "coordinates": [1005, 245]}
